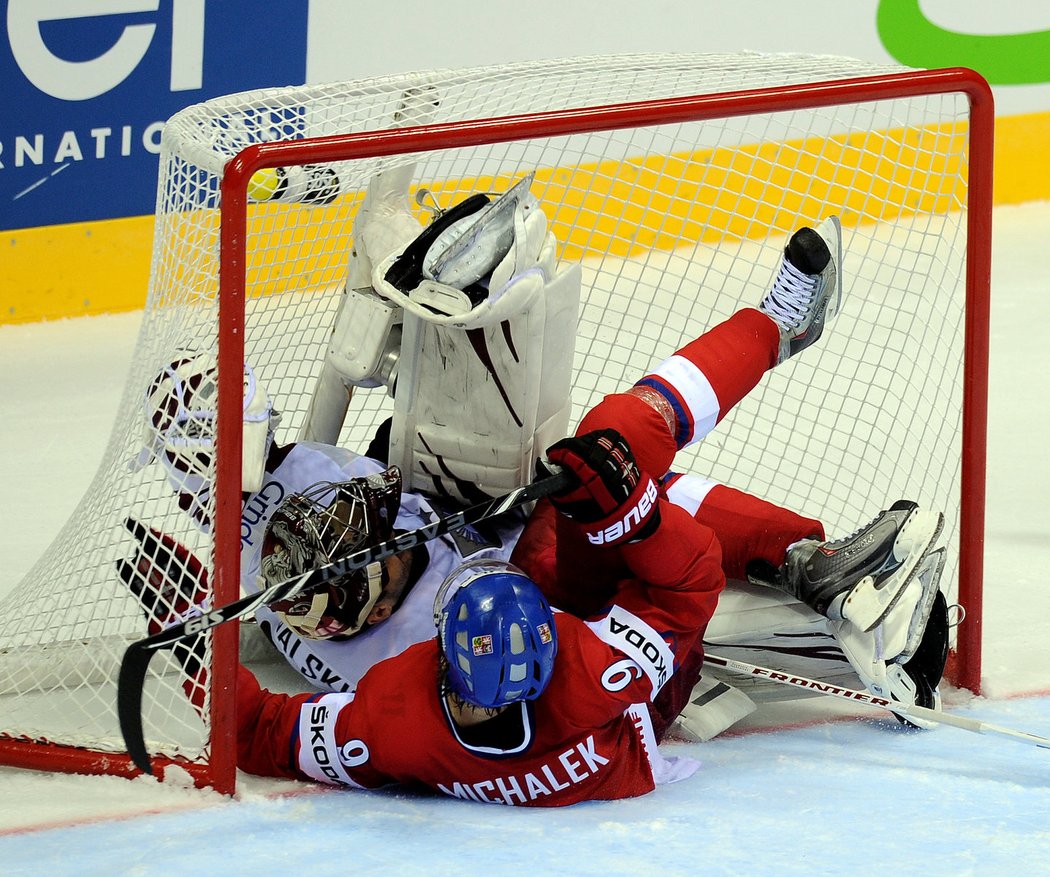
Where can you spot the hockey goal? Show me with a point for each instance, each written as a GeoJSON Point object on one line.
{"type": "Point", "coordinates": [675, 181]}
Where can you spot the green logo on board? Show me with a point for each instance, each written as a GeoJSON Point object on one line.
{"type": "Point", "coordinates": [1003, 59]}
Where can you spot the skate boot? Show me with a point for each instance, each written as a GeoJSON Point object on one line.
{"type": "Point", "coordinates": [861, 577]}
{"type": "Point", "coordinates": [807, 291]}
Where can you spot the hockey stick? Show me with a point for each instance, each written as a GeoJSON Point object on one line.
{"type": "Point", "coordinates": [913, 710]}
{"type": "Point", "coordinates": [137, 656]}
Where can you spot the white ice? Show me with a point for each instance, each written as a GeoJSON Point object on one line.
{"type": "Point", "coordinates": [810, 793]}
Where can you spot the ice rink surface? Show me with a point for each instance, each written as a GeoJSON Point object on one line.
{"type": "Point", "coordinates": [811, 793]}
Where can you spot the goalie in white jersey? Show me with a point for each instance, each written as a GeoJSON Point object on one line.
{"type": "Point", "coordinates": [292, 488]}
{"type": "Point", "coordinates": [868, 615]}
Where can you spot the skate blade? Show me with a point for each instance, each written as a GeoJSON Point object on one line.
{"type": "Point", "coordinates": [868, 604]}
{"type": "Point", "coordinates": [831, 230]}
{"type": "Point", "coordinates": [929, 575]}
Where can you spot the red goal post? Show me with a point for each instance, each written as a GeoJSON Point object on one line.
{"type": "Point", "coordinates": [673, 237]}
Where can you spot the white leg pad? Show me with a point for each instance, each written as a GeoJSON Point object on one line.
{"type": "Point", "coordinates": [713, 707]}
{"type": "Point", "coordinates": [482, 390]}
{"type": "Point", "coordinates": [766, 626]}
{"type": "Point", "coordinates": [486, 397]}
{"type": "Point", "coordinates": [364, 336]}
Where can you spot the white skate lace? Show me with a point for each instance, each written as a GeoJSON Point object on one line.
{"type": "Point", "coordinates": [789, 301]}
{"type": "Point", "coordinates": [842, 540]}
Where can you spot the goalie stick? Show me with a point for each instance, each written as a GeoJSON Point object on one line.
{"type": "Point", "coordinates": [137, 656]}
{"type": "Point", "coordinates": [912, 710]}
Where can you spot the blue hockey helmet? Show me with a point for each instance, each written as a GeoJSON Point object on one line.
{"type": "Point", "coordinates": [497, 633]}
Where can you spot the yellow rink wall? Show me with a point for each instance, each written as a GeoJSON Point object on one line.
{"type": "Point", "coordinates": [101, 267]}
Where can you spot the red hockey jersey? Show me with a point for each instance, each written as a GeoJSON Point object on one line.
{"type": "Point", "coordinates": [588, 736]}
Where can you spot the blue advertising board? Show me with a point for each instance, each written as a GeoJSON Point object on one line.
{"type": "Point", "coordinates": [88, 85]}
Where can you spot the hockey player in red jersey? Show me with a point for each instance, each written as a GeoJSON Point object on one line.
{"type": "Point", "coordinates": [514, 703]}
{"type": "Point", "coordinates": [869, 589]}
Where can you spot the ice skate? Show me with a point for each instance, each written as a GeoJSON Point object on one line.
{"type": "Point", "coordinates": [860, 577]}
{"type": "Point", "coordinates": [807, 290]}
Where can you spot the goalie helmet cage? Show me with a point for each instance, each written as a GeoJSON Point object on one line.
{"type": "Point", "coordinates": [677, 207]}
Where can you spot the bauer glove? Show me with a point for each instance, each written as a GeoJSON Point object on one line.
{"type": "Point", "coordinates": [612, 501]}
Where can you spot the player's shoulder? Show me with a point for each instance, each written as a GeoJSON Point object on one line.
{"type": "Point", "coordinates": [304, 463]}
{"type": "Point", "coordinates": [568, 623]}
{"type": "Point", "coordinates": [404, 683]}
{"type": "Point", "coordinates": [417, 661]}
{"type": "Point", "coordinates": [340, 456]}
{"type": "Point", "coordinates": [574, 636]}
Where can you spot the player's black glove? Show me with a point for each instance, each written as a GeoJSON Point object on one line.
{"type": "Point", "coordinates": [612, 501]}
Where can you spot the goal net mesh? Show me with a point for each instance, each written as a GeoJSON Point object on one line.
{"type": "Point", "coordinates": [677, 225]}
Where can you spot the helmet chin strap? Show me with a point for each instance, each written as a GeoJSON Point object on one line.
{"type": "Point", "coordinates": [312, 618]}
{"type": "Point", "coordinates": [375, 588]}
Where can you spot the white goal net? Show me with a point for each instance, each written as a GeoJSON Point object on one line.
{"type": "Point", "coordinates": [677, 210]}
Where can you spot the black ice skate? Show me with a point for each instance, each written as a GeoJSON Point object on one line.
{"type": "Point", "coordinates": [807, 291]}
{"type": "Point", "coordinates": [861, 577]}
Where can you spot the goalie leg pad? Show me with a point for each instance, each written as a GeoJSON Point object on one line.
{"type": "Point", "coordinates": [914, 682]}
{"type": "Point", "coordinates": [362, 350]}
{"type": "Point", "coordinates": [713, 707]}
{"type": "Point", "coordinates": [383, 224]}
{"type": "Point", "coordinates": [929, 578]}
{"type": "Point", "coordinates": [483, 383]}
{"type": "Point", "coordinates": [926, 666]}
{"type": "Point", "coordinates": [755, 623]}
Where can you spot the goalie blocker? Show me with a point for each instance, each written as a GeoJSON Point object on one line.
{"type": "Point", "coordinates": [473, 314]}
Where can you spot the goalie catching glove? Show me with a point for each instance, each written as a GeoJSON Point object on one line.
{"type": "Point", "coordinates": [613, 502]}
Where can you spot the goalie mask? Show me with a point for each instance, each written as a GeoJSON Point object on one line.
{"type": "Point", "coordinates": [497, 634]}
{"type": "Point", "coordinates": [325, 523]}
{"type": "Point", "coordinates": [180, 406]}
